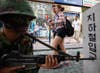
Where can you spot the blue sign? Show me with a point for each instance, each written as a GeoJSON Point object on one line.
{"type": "Point", "coordinates": [72, 2]}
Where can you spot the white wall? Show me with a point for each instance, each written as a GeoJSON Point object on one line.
{"type": "Point", "coordinates": [91, 22]}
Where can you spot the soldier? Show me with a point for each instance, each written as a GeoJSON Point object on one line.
{"type": "Point", "coordinates": [16, 16]}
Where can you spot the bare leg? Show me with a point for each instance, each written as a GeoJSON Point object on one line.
{"type": "Point", "coordinates": [62, 46]}
{"type": "Point", "coordinates": [58, 41]}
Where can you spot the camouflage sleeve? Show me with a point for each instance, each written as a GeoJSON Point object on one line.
{"type": "Point", "coordinates": [30, 47]}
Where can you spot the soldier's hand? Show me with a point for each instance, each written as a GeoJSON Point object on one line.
{"type": "Point", "coordinates": [50, 62]}
{"type": "Point", "coordinates": [10, 69]}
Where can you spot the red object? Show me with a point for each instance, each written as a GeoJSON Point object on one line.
{"type": "Point", "coordinates": [46, 17]}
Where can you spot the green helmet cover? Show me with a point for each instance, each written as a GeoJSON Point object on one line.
{"type": "Point", "coordinates": [16, 7]}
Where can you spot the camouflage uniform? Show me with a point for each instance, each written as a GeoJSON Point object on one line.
{"type": "Point", "coordinates": [22, 45]}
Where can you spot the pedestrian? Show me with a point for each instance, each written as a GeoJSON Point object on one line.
{"type": "Point", "coordinates": [77, 28]}
{"type": "Point", "coordinates": [16, 16]}
{"type": "Point", "coordinates": [58, 28]}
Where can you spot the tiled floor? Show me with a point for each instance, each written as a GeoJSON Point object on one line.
{"type": "Point", "coordinates": [73, 67]}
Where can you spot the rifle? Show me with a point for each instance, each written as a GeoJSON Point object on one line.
{"type": "Point", "coordinates": [15, 58]}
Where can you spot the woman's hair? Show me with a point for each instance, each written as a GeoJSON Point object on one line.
{"type": "Point", "coordinates": [59, 6]}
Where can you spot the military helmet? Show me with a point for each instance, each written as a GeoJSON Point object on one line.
{"type": "Point", "coordinates": [16, 7]}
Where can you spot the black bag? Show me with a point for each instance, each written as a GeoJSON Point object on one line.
{"type": "Point", "coordinates": [69, 28]}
